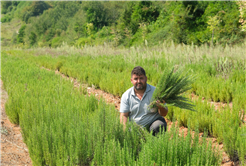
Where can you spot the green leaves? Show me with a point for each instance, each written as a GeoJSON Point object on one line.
{"type": "Point", "coordinates": [170, 88]}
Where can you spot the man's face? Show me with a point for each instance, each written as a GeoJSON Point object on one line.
{"type": "Point", "coordinates": [139, 81]}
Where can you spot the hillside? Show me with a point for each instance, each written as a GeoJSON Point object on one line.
{"type": "Point", "coordinates": [39, 24]}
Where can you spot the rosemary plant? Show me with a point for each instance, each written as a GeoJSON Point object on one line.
{"type": "Point", "coordinates": [170, 88]}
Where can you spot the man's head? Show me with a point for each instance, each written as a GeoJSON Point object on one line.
{"type": "Point", "coordinates": [138, 71]}
{"type": "Point", "coordinates": [138, 78]}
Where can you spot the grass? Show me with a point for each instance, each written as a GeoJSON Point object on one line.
{"type": "Point", "coordinates": [183, 53]}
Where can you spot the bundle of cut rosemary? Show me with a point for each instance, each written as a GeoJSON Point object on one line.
{"type": "Point", "coordinates": [170, 88]}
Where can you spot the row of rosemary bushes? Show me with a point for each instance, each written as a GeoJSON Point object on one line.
{"type": "Point", "coordinates": [63, 126]}
{"type": "Point", "coordinates": [218, 79]}
{"type": "Point", "coordinates": [225, 124]}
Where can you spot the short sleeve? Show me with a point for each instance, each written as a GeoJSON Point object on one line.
{"type": "Point", "coordinates": [124, 104]}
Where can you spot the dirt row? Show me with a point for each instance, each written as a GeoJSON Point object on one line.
{"type": "Point", "coordinates": [14, 152]}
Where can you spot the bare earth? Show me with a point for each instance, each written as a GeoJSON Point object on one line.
{"type": "Point", "coordinates": [14, 151]}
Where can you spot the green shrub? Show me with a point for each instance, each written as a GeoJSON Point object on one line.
{"type": "Point", "coordinates": [21, 34]}
{"type": "Point", "coordinates": [84, 41]}
{"type": "Point", "coordinates": [241, 144]}
{"type": "Point", "coordinates": [33, 38]}
{"type": "Point", "coordinates": [6, 18]}
{"type": "Point", "coordinates": [57, 41]}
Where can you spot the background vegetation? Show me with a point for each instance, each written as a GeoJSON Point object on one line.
{"type": "Point", "coordinates": [125, 23]}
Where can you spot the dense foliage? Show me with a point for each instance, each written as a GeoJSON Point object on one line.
{"type": "Point", "coordinates": [35, 9]}
{"type": "Point", "coordinates": [128, 23]}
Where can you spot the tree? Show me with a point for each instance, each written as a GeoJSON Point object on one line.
{"type": "Point", "coordinates": [5, 5]}
{"type": "Point", "coordinates": [136, 13]}
{"type": "Point", "coordinates": [96, 14]}
{"type": "Point", "coordinates": [213, 24]}
{"type": "Point", "coordinates": [21, 34]}
{"type": "Point", "coordinates": [145, 11]}
{"type": "Point", "coordinates": [32, 38]}
{"type": "Point", "coordinates": [36, 8]}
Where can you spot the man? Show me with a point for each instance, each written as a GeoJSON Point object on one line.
{"type": "Point", "coordinates": [135, 101]}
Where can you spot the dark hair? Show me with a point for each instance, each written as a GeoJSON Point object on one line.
{"type": "Point", "coordinates": [138, 70]}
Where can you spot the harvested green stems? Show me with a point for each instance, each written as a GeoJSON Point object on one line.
{"type": "Point", "coordinates": [170, 88]}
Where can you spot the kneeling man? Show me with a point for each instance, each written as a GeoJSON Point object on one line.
{"type": "Point", "coordinates": [135, 101]}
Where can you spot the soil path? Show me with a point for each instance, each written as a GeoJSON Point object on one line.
{"type": "Point", "coordinates": [14, 151]}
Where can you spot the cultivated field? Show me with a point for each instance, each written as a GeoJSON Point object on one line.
{"type": "Point", "coordinates": [62, 125]}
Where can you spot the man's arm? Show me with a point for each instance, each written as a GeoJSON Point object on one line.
{"type": "Point", "coordinates": [123, 118]}
{"type": "Point", "coordinates": [124, 109]}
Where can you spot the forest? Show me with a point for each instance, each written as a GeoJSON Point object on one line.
{"type": "Point", "coordinates": [124, 23]}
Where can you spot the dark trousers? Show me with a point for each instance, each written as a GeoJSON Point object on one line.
{"type": "Point", "coordinates": [159, 125]}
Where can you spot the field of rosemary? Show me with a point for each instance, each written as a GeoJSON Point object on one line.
{"type": "Point", "coordinates": [61, 126]}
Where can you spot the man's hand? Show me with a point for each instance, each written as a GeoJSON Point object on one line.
{"type": "Point", "coordinates": [161, 110]}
